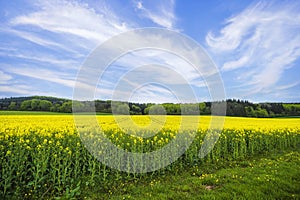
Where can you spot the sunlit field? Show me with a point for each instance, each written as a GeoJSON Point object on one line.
{"type": "Point", "coordinates": [42, 155]}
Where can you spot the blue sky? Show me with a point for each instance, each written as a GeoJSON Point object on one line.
{"type": "Point", "coordinates": [254, 44]}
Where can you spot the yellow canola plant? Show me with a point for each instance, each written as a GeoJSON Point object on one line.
{"type": "Point", "coordinates": [65, 123]}
{"type": "Point", "coordinates": [44, 153]}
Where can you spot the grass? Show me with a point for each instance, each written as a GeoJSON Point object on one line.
{"type": "Point", "coordinates": [272, 176]}
{"type": "Point", "coordinates": [7, 112]}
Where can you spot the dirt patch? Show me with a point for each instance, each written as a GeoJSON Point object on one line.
{"type": "Point", "coordinates": [210, 187]}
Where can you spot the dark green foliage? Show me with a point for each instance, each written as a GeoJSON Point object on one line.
{"type": "Point", "coordinates": [26, 105]}
{"type": "Point", "coordinates": [234, 107]}
{"type": "Point", "coordinates": [66, 107]}
{"type": "Point", "coordinates": [12, 106]}
{"type": "Point", "coordinates": [292, 109]}
{"type": "Point", "coordinates": [120, 108]}
{"type": "Point", "coordinates": [36, 105]}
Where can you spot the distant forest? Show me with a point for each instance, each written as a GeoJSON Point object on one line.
{"type": "Point", "coordinates": [234, 107]}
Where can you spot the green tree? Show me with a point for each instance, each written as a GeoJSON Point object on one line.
{"type": "Point", "coordinates": [121, 109]}
{"type": "Point", "coordinates": [26, 105]}
{"type": "Point", "coordinates": [172, 109]}
{"type": "Point", "coordinates": [157, 110]}
{"type": "Point", "coordinates": [189, 109]}
{"type": "Point", "coordinates": [35, 104]}
{"type": "Point", "coordinates": [79, 107]}
{"type": "Point", "coordinates": [202, 107]}
{"type": "Point", "coordinates": [12, 106]}
{"type": "Point", "coordinates": [261, 112]}
{"type": "Point", "coordinates": [135, 109]}
{"type": "Point", "coordinates": [66, 107]}
{"type": "Point", "coordinates": [250, 111]}
{"type": "Point", "coordinates": [45, 105]}
{"type": "Point", "coordinates": [55, 108]}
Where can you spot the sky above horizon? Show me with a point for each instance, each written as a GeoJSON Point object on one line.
{"type": "Point", "coordinates": [254, 44]}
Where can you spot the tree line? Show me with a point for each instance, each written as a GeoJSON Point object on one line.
{"type": "Point", "coordinates": [234, 107]}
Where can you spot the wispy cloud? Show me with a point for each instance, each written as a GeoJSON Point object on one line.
{"type": "Point", "coordinates": [168, 63]}
{"type": "Point", "coordinates": [73, 18]}
{"type": "Point", "coordinates": [161, 12]}
{"type": "Point", "coordinates": [4, 77]}
{"type": "Point", "coordinates": [44, 74]}
{"type": "Point", "coordinates": [153, 93]}
{"type": "Point", "coordinates": [21, 90]}
{"type": "Point", "coordinates": [263, 39]}
{"type": "Point", "coordinates": [38, 39]}
{"type": "Point", "coordinates": [231, 65]}
{"type": "Point", "coordinates": [288, 86]}
{"type": "Point", "coordinates": [50, 42]}
{"type": "Point", "coordinates": [16, 89]}
{"type": "Point", "coordinates": [45, 59]}
{"type": "Point", "coordinates": [52, 38]}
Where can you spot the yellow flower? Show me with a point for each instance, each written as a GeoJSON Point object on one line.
{"type": "Point", "coordinates": [8, 152]}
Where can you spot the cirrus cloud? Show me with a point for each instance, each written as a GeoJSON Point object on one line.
{"type": "Point", "coordinates": [263, 40]}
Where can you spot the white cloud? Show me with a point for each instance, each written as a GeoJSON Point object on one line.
{"type": "Point", "coordinates": [43, 59]}
{"type": "Point", "coordinates": [44, 74]}
{"type": "Point", "coordinates": [61, 78]}
{"type": "Point", "coordinates": [38, 39]}
{"type": "Point", "coordinates": [71, 17]}
{"type": "Point", "coordinates": [4, 78]}
{"type": "Point", "coordinates": [168, 62]}
{"type": "Point", "coordinates": [67, 31]}
{"type": "Point", "coordinates": [25, 90]}
{"type": "Point", "coordinates": [16, 89]}
{"type": "Point", "coordinates": [151, 93]}
{"type": "Point", "coordinates": [161, 13]}
{"type": "Point", "coordinates": [139, 5]}
{"type": "Point", "coordinates": [288, 86]}
{"type": "Point", "coordinates": [264, 38]}
{"type": "Point", "coordinates": [236, 63]}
